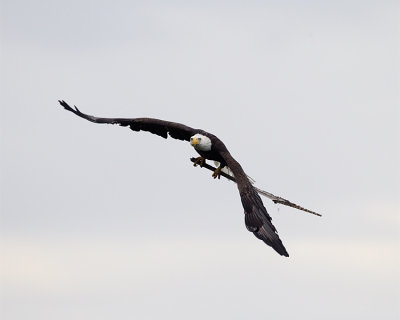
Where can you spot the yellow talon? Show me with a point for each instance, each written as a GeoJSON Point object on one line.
{"type": "Point", "coordinates": [217, 173]}
{"type": "Point", "coordinates": [199, 160]}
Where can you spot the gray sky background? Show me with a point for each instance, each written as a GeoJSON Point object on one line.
{"type": "Point", "coordinates": [99, 222]}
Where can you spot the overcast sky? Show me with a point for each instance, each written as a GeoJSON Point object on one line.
{"type": "Point", "coordinates": [99, 222]}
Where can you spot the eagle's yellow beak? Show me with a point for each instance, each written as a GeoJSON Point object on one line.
{"type": "Point", "coordinates": [195, 141]}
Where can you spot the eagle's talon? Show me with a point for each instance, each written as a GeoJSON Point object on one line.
{"type": "Point", "coordinates": [199, 160]}
{"type": "Point", "coordinates": [217, 173]}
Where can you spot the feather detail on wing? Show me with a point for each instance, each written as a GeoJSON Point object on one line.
{"type": "Point", "coordinates": [257, 219]}
{"type": "Point", "coordinates": [159, 127]}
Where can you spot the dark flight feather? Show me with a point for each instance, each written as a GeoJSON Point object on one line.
{"type": "Point", "coordinates": [159, 127]}
{"type": "Point", "coordinates": [257, 219]}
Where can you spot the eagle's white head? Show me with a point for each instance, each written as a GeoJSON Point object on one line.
{"type": "Point", "coordinates": [200, 142]}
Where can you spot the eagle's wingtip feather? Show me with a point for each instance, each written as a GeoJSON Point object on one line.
{"type": "Point", "coordinates": [65, 105]}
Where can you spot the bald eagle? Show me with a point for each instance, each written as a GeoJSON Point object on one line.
{"type": "Point", "coordinates": [209, 147]}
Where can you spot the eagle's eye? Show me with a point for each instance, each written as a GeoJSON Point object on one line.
{"type": "Point", "coordinates": [199, 138]}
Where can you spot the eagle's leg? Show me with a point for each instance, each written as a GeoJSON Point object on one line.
{"type": "Point", "coordinates": [217, 173]}
{"type": "Point", "coordinates": [199, 160]}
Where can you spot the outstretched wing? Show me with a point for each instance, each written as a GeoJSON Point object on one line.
{"type": "Point", "coordinates": [159, 127]}
{"type": "Point", "coordinates": [257, 219]}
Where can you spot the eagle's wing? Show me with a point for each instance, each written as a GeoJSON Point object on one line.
{"type": "Point", "coordinates": [159, 127]}
{"type": "Point", "coordinates": [257, 219]}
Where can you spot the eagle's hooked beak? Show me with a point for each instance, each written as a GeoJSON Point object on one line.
{"type": "Point", "coordinates": [194, 141]}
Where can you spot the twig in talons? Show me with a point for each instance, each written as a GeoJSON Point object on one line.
{"type": "Point", "coordinates": [269, 195]}
{"type": "Point", "coordinates": [207, 166]}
